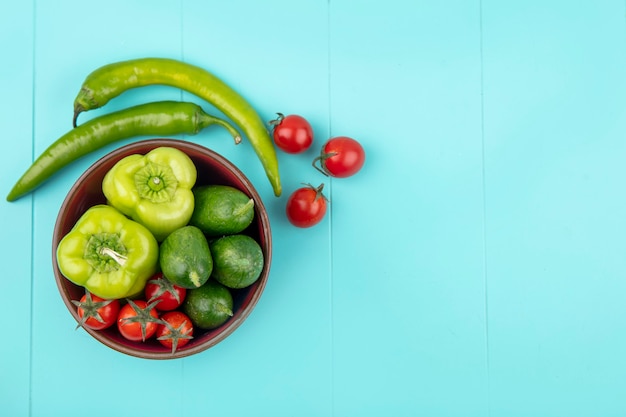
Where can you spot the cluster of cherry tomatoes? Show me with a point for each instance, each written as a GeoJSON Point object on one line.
{"type": "Point", "coordinates": [340, 157]}
{"type": "Point", "coordinates": [156, 315]}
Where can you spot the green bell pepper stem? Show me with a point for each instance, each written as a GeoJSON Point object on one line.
{"type": "Point", "coordinates": [120, 259]}
{"type": "Point", "coordinates": [108, 254]}
{"type": "Point", "coordinates": [153, 189]}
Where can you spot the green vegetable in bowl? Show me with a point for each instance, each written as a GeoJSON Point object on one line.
{"type": "Point", "coordinates": [108, 254]}
{"type": "Point", "coordinates": [221, 210]}
{"type": "Point", "coordinates": [153, 189]}
{"type": "Point", "coordinates": [185, 258]}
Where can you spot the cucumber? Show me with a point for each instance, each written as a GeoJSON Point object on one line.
{"type": "Point", "coordinates": [237, 260]}
{"type": "Point", "coordinates": [221, 210]}
{"type": "Point", "coordinates": [209, 306]}
{"type": "Point", "coordinates": [185, 257]}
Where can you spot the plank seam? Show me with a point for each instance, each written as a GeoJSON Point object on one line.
{"type": "Point", "coordinates": [484, 203]}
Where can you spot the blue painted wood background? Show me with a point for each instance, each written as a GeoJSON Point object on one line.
{"type": "Point", "coordinates": [476, 266]}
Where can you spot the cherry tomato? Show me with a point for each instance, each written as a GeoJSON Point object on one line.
{"type": "Point", "coordinates": [306, 206]}
{"type": "Point", "coordinates": [159, 288]}
{"type": "Point", "coordinates": [138, 320]}
{"type": "Point", "coordinates": [292, 133]}
{"type": "Point", "coordinates": [95, 312]}
{"type": "Point", "coordinates": [340, 157]}
{"type": "Point", "coordinates": [175, 331]}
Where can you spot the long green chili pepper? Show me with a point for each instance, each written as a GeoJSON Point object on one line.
{"type": "Point", "coordinates": [111, 80]}
{"type": "Point", "coordinates": [158, 118]}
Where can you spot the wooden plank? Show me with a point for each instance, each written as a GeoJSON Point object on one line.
{"type": "Point", "coordinates": [72, 40]}
{"type": "Point", "coordinates": [276, 55]}
{"type": "Point", "coordinates": [16, 77]}
{"type": "Point", "coordinates": [407, 231]}
{"type": "Point", "coordinates": [554, 151]}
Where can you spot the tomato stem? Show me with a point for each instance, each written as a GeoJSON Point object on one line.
{"type": "Point", "coordinates": [318, 190]}
{"type": "Point", "coordinates": [315, 161]}
{"type": "Point", "coordinates": [164, 285]}
{"type": "Point", "coordinates": [321, 160]}
{"type": "Point", "coordinates": [176, 333]}
{"type": "Point", "coordinates": [319, 193]}
{"type": "Point", "coordinates": [90, 308]}
{"type": "Point", "coordinates": [278, 120]}
{"type": "Point", "coordinates": [143, 316]}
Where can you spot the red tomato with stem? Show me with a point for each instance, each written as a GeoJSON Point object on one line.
{"type": "Point", "coordinates": [175, 331]}
{"type": "Point", "coordinates": [306, 206]}
{"type": "Point", "coordinates": [96, 312]}
{"type": "Point", "coordinates": [138, 320]}
{"type": "Point", "coordinates": [159, 288]}
{"type": "Point", "coordinates": [292, 133]}
{"type": "Point", "coordinates": [340, 157]}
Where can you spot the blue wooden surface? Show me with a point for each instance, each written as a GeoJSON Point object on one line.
{"type": "Point", "coordinates": [476, 266]}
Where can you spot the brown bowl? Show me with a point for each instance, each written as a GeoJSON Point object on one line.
{"type": "Point", "coordinates": [212, 169]}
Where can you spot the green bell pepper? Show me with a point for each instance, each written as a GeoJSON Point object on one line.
{"type": "Point", "coordinates": [153, 189]}
{"type": "Point", "coordinates": [108, 254]}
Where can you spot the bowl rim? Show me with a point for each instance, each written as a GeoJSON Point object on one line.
{"type": "Point", "coordinates": [232, 324]}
